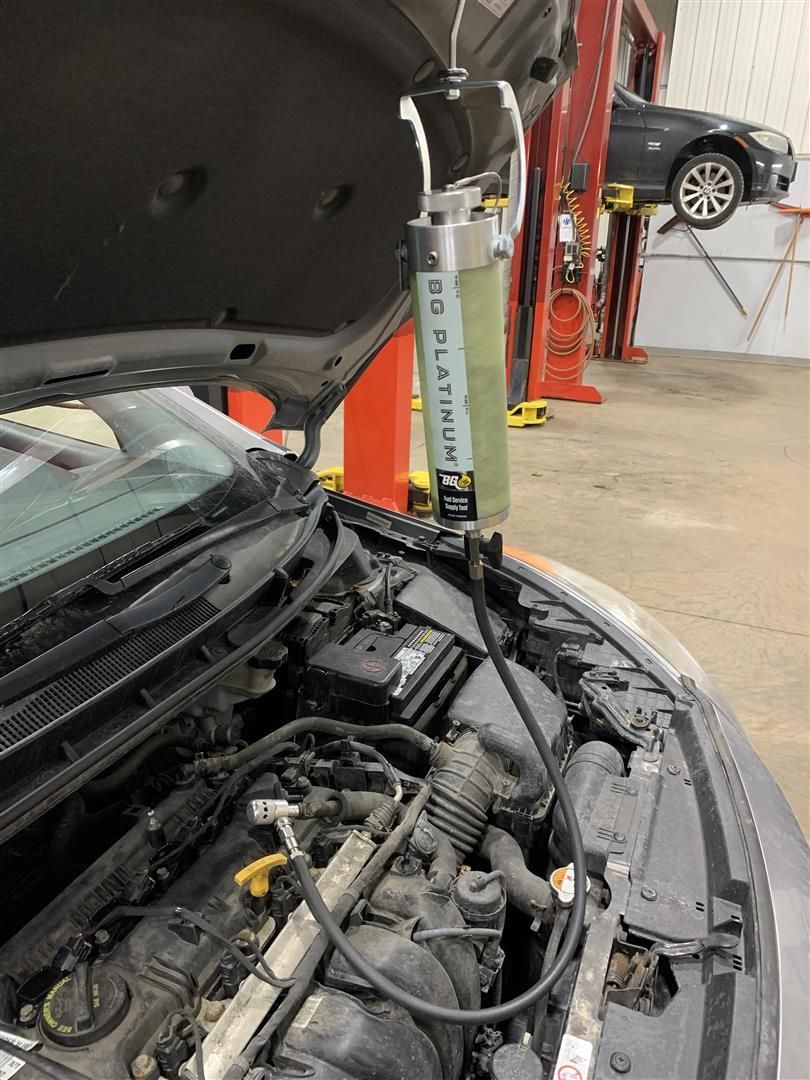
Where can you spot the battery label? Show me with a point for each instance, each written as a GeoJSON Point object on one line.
{"type": "Point", "coordinates": [9, 1064]}
{"type": "Point", "coordinates": [415, 651]}
{"type": "Point", "coordinates": [445, 395]}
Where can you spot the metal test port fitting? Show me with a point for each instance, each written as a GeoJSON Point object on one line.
{"type": "Point", "coordinates": [268, 811]}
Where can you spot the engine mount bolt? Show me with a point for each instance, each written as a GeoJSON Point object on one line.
{"type": "Point", "coordinates": [619, 837]}
{"type": "Point", "coordinates": [144, 1067]}
{"type": "Point", "coordinates": [620, 1062]}
{"type": "Point", "coordinates": [648, 894]}
{"type": "Point", "coordinates": [27, 1014]}
{"type": "Point", "coordinates": [673, 770]}
{"type": "Point", "coordinates": [213, 1011]}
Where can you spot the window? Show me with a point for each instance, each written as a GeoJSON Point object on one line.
{"type": "Point", "coordinates": [90, 480]}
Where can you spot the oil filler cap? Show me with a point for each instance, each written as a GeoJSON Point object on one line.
{"type": "Point", "coordinates": [83, 1006]}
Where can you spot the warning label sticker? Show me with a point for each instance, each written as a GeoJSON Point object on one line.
{"type": "Point", "coordinates": [9, 1065]}
{"type": "Point", "coordinates": [415, 651]}
{"type": "Point", "coordinates": [574, 1059]}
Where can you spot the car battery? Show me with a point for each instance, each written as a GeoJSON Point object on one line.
{"type": "Point", "coordinates": [376, 678]}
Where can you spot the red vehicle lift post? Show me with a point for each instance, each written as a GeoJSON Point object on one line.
{"type": "Point", "coordinates": [588, 100]}
{"type": "Point", "coordinates": [623, 271]}
{"type": "Point", "coordinates": [583, 119]}
{"type": "Point", "coordinates": [254, 411]}
{"type": "Point", "coordinates": [377, 426]}
{"type": "Point", "coordinates": [376, 419]}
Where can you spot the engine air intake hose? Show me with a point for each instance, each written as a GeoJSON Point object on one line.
{"type": "Point", "coordinates": [385, 987]}
{"type": "Point", "coordinates": [461, 792]}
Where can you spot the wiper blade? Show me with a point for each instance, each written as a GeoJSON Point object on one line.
{"type": "Point", "coordinates": [259, 514]}
{"type": "Point", "coordinates": [70, 592]}
{"type": "Point", "coordinates": [107, 633]}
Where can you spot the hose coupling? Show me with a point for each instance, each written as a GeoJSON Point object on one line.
{"type": "Point", "coordinates": [472, 549]}
{"type": "Point", "coordinates": [287, 837]}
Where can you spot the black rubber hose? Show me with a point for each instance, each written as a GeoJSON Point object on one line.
{"type": "Point", "coordinates": [497, 1013]}
{"type": "Point", "coordinates": [63, 837]}
{"type": "Point", "coordinates": [525, 890]}
{"type": "Point", "coordinates": [443, 869]}
{"type": "Point", "coordinates": [103, 785]}
{"type": "Point", "coordinates": [439, 933]}
{"type": "Point", "coordinates": [357, 805]}
{"type": "Point", "coordinates": [348, 806]}
{"type": "Point", "coordinates": [254, 753]}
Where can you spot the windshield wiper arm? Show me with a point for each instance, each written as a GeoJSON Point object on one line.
{"type": "Point", "coordinates": [256, 515]}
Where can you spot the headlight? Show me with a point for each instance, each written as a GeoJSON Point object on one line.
{"type": "Point", "coordinates": [771, 141]}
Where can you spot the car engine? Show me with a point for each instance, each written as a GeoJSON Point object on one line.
{"type": "Point", "coordinates": [153, 927]}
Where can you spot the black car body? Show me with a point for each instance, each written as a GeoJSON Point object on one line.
{"type": "Point", "coordinates": [651, 144]}
{"type": "Point", "coordinates": [191, 622]}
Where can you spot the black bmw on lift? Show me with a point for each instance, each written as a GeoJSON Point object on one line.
{"type": "Point", "coordinates": [705, 164]}
{"type": "Point", "coordinates": [195, 635]}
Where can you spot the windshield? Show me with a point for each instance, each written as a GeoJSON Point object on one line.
{"type": "Point", "coordinates": [627, 96]}
{"type": "Point", "coordinates": [85, 482]}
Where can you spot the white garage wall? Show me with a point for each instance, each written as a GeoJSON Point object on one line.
{"type": "Point", "coordinates": [684, 307]}
{"type": "Point", "coordinates": [746, 58]}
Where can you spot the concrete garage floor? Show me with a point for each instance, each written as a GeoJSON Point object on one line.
{"type": "Point", "coordinates": [688, 490]}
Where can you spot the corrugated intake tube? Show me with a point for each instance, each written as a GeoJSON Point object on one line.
{"type": "Point", "coordinates": [461, 794]}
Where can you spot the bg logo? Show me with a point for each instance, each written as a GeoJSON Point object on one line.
{"type": "Point", "coordinates": [460, 483]}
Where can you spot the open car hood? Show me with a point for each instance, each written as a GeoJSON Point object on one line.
{"type": "Point", "coordinates": [200, 191]}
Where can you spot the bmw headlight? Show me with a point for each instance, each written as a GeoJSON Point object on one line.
{"type": "Point", "coordinates": [771, 140]}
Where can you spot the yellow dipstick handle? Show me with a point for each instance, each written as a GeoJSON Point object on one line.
{"type": "Point", "coordinates": [257, 874]}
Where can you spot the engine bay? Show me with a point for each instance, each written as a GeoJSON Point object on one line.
{"type": "Point", "coordinates": [153, 927]}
